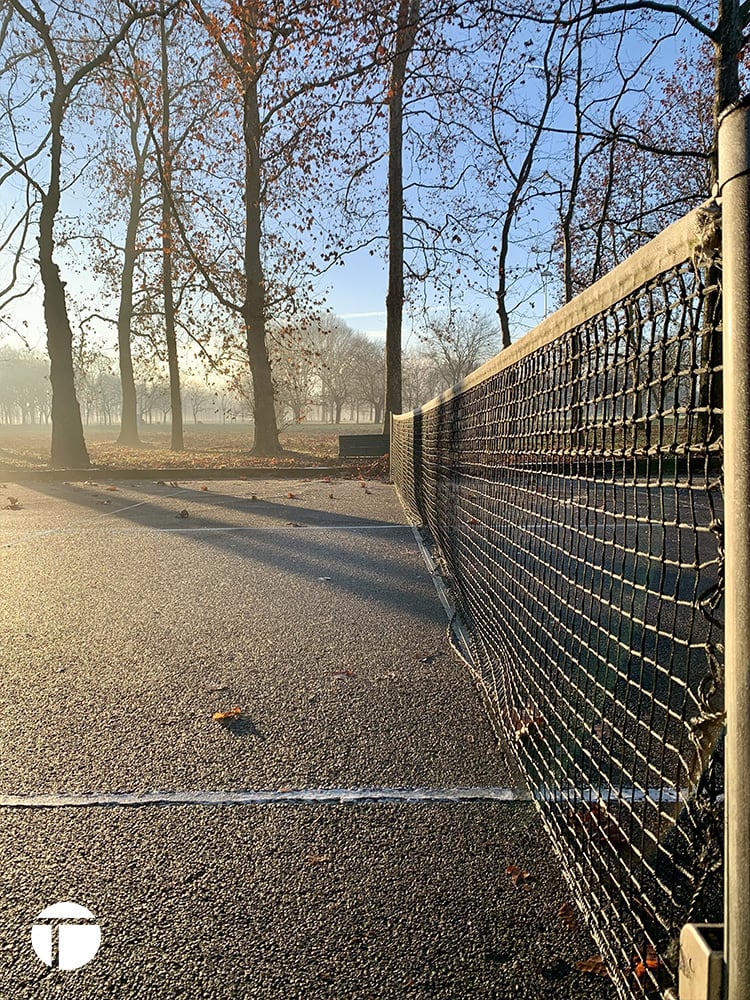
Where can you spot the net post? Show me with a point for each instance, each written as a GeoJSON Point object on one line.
{"type": "Point", "coordinates": [734, 189]}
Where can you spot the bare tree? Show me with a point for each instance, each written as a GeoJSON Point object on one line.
{"type": "Point", "coordinates": [70, 50]}
{"type": "Point", "coordinates": [455, 343]}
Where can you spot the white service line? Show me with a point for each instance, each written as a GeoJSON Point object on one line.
{"type": "Point", "coordinates": [299, 796]}
{"type": "Point", "coordinates": [84, 525]}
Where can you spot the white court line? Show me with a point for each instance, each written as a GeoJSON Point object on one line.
{"type": "Point", "coordinates": [339, 796]}
{"type": "Point", "coordinates": [299, 796]}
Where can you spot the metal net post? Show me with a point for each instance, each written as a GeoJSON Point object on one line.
{"type": "Point", "coordinates": [734, 184]}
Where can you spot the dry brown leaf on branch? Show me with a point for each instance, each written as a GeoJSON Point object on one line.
{"type": "Point", "coordinates": [517, 876]}
{"type": "Point", "coordinates": [233, 713]}
{"type": "Point", "coordinates": [593, 966]}
{"type": "Point", "coordinates": [567, 914]}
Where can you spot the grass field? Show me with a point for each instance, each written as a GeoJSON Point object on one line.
{"type": "Point", "coordinates": [208, 446]}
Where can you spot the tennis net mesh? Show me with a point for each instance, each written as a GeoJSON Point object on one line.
{"type": "Point", "coordinates": [572, 491]}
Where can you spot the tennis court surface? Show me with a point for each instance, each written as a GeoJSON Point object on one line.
{"type": "Point", "coordinates": [346, 833]}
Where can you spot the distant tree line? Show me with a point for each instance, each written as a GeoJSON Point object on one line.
{"type": "Point", "coordinates": [323, 372]}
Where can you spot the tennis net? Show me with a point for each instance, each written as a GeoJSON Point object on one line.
{"type": "Point", "coordinates": [572, 491]}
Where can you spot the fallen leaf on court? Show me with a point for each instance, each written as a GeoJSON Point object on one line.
{"type": "Point", "coordinates": [602, 731]}
{"type": "Point", "coordinates": [205, 489]}
{"type": "Point", "coordinates": [517, 876]}
{"type": "Point", "coordinates": [651, 961]}
{"type": "Point", "coordinates": [291, 496]}
{"type": "Point", "coordinates": [183, 513]}
{"type": "Point", "coordinates": [593, 966]}
{"type": "Point", "coordinates": [596, 823]}
{"type": "Point", "coordinates": [567, 914]}
{"type": "Point", "coordinates": [226, 716]}
{"type": "Point", "coordinates": [528, 722]}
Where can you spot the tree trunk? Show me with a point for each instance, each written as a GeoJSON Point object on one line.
{"type": "Point", "coordinates": [170, 326]}
{"type": "Point", "coordinates": [406, 27]}
{"type": "Point", "coordinates": [254, 306]}
{"type": "Point", "coordinates": [129, 414]}
{"type": "Point", "coordinates": [728, 45]}
{"type": "Point", "coordinates": [68, 445]}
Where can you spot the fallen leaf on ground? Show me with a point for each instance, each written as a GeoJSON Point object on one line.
{"type": "Point", "coordinates": [205, 489]}
{"type": "Point", "coordinates": [593, 966]}
{"type": "Point", "coordinates": [291, 496]}
{"type": "Point", "coordinates": [111, 489]}
{"type": "Point", "coordinates": [183, 513]}
{"type": "Point", "coordinates": [344, 673]}
{"type": "Point", "coordinates": [517, 875]}
{"type": "Point", "coordinates": [651, 961]}
{"type": "Point", "coordinates": [225, 716]}
{"type": "Point", "coordinates": [528, 722]}
{"type": "Point", "coordinates": [567, 914]}
{"type": "Point", "coordinates": [596, 823]}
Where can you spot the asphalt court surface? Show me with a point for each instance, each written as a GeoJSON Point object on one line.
{"type": "Point", "coordinates": [126, 624]}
